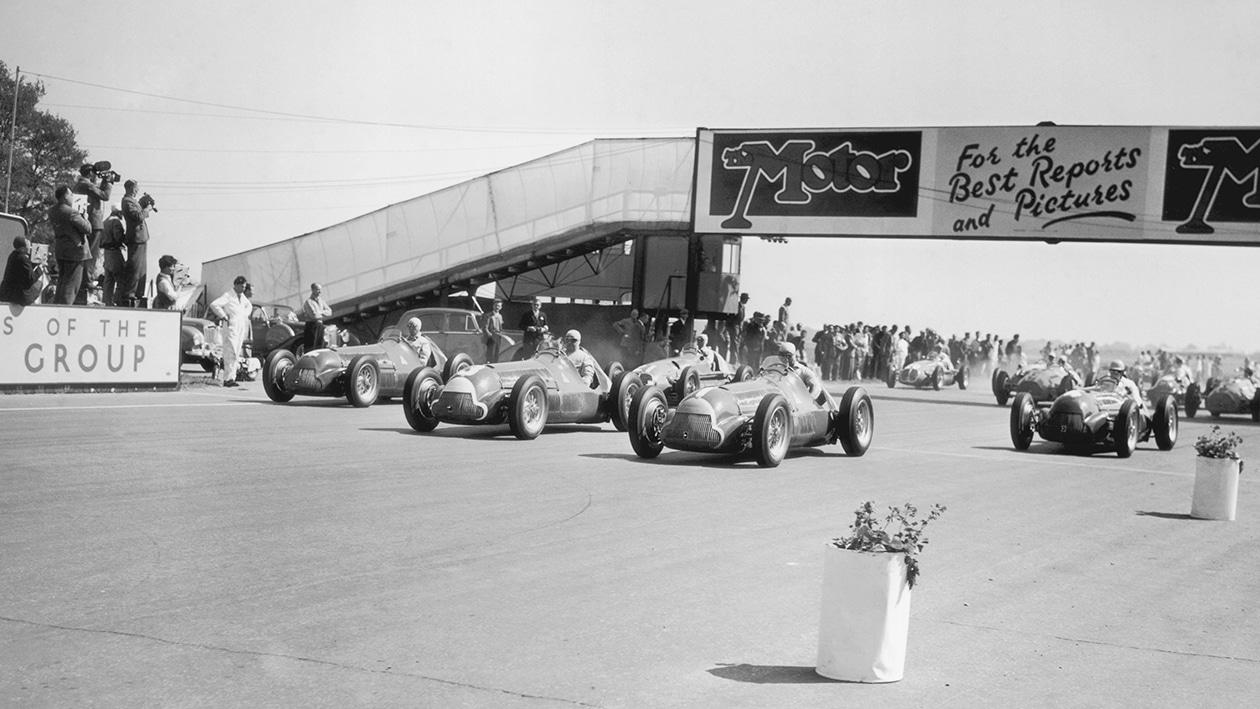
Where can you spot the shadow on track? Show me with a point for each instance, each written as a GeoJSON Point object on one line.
{"type": "Point", "coordinates": [769, 674]}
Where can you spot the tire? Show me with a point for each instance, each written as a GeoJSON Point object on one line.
{"type": "Point", "coordinates": [1065, 385]}
{"type": "Point", "coordinates": [892, 380]}
{"type": "Point", "coordinates": [1001, 389]}
{"type": "Point", "coordinates": [772, 431]}
{"type": "Point", "coordinates": [688, 381]}
{"type": "Point", "coordinates": [1255, 407]}
{"type": "Point", "coordinates": [614, 368]}
{"type": "Point", "coordinates": [207, 365]}
{"type": "Point", "coordinates": [743, 373]}
{"type": "Point", "coordinates": [1165, 422]}
{"type": "Point", "coordinates": [455, 365]}
{"type": "Point", "coordinates": [936, 379]}
{"type": "Point", "coordinates": [1193, 400]}
{"type": "Point", "coordinates": [855, 422]}
{"type": "Point", "coordinates": [363, 381]}
{"type": "Point", "coordinates": [527, 412]}
{"type": "Point", "coordinates": [963, 378]}
{"type": "Point", "coordinates": [1021, 421]}
{"type": "Point", "coordinates": [278, 362]}
{"type": "Point", "coordinates": [647, 417]}
{"type": "Point", "coordinates": [1124, 430]}
{"type": "Point", "coordinates": [624, 386]}
{"type": "Point", "coordinates": [418, 394]}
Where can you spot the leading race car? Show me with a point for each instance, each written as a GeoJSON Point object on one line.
{"type": "Point", "coordinates": [930, 372]}
{"type": "Point", "coordinates": [766, 415]}
{"type": "Point", "coordinates": [1095, 418]}
{"type": "Point", "coordinates": [361, 373]}
{"type": "Point", "coordinates": [676, 377]}
{"type": "Point", "coordinates": [1239, 395]}
{"type": "Point", "coordinates": [527, 395]}
{"type": "Point", "coordinates": [1188, 395]}
{"type": "Point", "coordinates": [1044, 381]}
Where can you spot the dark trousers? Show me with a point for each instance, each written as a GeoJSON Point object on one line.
{"type": "Point", "coordinates": [115, 278]}
{"type": "Point", "coordinates": [71, 278]}
{"type": "Point", "coordinates": [137, 273]}
{"type": "Point", "coordinates": [313, 335]}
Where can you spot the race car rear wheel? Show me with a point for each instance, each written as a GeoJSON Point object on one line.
{"type": "Point", "coordinates": [1001, 388]}
{"type": "Point", "coordinates": [1193, 399]}
{"type": "Point", "coordinates": [455, 365]}
{"type": "Point", "coordinates": [743, 373]}
{"type": "Point", "coordinates": [527, 414]}
{"type": "Point", "coordinates": [363, 381]}
{"type": "Point", "coordinates": [647, 420]}
{"type": "Point", "coordinates": [892, 379]}
{"type": "Point", "coordinates": [963, 378]}
{"type": "Point", "coordinates": [1125, 428]}
{"type": "Point", "coordinates": [772, 430]}
{"type": "Point", "coordinates": [855, 422]}
{"type": "Point", "coordinates": [688, 381]}
{"type": "Point", "coordinates": [614, 368]}
{"type": "Point", "coordinates": [1021, 420]}
{"type": "Point", "coordinates": [1165, 422]}
{"type": "Point", "coordinates": [419, 393]}
{"type": "Point", "coordinates": [624, 386]}
{"type": "Point", "coordinates": [279, 362]}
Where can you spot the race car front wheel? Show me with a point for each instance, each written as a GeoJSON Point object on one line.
{"type": "Point", "coordinates": [1125, 428]}
{"type": "Point", "coordinates": [688, 381]}
{"type": "Point", "coordinates": [772, 431]}
{"type": "Point", "coordinates": [528, 412]}
{"type": "Point", "coordinates": [1193, 399]}
{"type": "Point", "coordinates": [624, 386]}
{"type": "Point", "coordinates": [1021, 421]}
{"type": "Point", "coordinates": [363, 381]}
{"type": "Point", "coordinates": [279, 362]}
{"type": "Point", "coordinates": [855, 422]}
{"type": "Point", "coordinates": [647, 420]}
{"type": "Point", "coordinates": [1165, 422]}
{"type": "Point", "coordinates": [419, 393]}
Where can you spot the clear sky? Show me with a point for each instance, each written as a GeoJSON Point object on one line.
{"type": "Point", "coordinates": [252, 122]}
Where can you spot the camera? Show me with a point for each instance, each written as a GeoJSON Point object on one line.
{"type": "Point", "coordinates": [104, 170]}
{"type": "Point", "coordinates": [147, 201]}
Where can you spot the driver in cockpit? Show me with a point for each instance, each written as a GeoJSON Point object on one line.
{"type": "Point", "coordinates": [707, 354]}
{"type": "Point", "coordinates": [421, 344]}
{"type": "Point", "coordinates": [787, 354]}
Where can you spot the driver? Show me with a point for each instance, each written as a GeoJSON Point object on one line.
{"type": "Point", "coordinates": [787, 352]}
{"type": "Point", "coordinates": [1180, 371]}
{"type": "Point", "coordinates": [1115, 378]}
{"type": "Point", "coordinates": [581, 359]}
{"type": "Point", "coordinates": [421, 344]}
{"type": "Point", "coordinates": [708, 354]}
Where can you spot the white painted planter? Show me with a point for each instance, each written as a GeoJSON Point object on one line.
{"type": "Point", "coordinates": [865, 616]}
{"type": "Point", "coordinates": [1215, 488]}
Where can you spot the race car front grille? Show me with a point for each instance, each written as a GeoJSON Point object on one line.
{"type": "Point", "coordinates": [457, 405]}
{"type": "Point", "coordinates": [694, 428]}
{"type": "Point", "coordinates": [306, 378]}
{"type": "Point", "coordinates": [1065, 427]}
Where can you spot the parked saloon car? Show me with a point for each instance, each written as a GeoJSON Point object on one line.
{"type": "Point", "coordinates": [361, 373]}
{"type": "Point", "coordinates": [1045, 382]}
{"type": "Point", "coordinates": [676, 377]}
{"type": "Point", "coordinates": [1238, 395]}
{"type": "Point", "coordinates": [197, 345]}
{"type": "Point", "coordinates": [527, 395]}
{"type": "Point", "coordinates": [1096, 418]}
{"type": "Point", "coordinates": [930, 372]}
{"type": "Point", "coordinates": [457, 330]}
{"type": "Point", "coordinates": [766, 416]}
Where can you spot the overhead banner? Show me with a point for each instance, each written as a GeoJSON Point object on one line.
{"type": "Point", "coordinates": [1080, 183]}
{"type": "Point", "coordinates": [48, 346]}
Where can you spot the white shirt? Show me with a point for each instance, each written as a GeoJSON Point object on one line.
{"type": "Point", "coordinates": [234, 310]}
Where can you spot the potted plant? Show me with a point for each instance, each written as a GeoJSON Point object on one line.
{"type": "Point", "coordinates": [867, 578]}
{"type": "Point", "coordinates": [1216, 471]}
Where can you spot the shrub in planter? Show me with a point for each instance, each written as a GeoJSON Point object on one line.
{"type": "Point", "coordinates": [1216, 472]}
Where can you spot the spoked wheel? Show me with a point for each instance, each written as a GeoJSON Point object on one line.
{"type": "Point", "coordinates": [855, 422]}
{"type": "Point", "coordinates": [419, 393]}
{"type": "Point", "coordinates": [455, 365]}
{"type": "Point", "coordinates": [1165, 422]}
{"type": "Point", "coordinates": [772, 431]}
{"type": "Point", "coordinates": [363, 381]}
{"type": "Point", "coordinates": [743, 373]}
{"type": "Point", "coordinates": [279, 363]}
{"type": "Point", "coordinates": [688, 381]}
{"type": "Point", "coordinates": [528, 413]}
{"type": "Point", "coordinates": [1021, 421]}
{"type": "Point", "coordinates": [1125, 428]}
{"type": "Point", "coordinates": [624, 386]}
{"type": "Point", "coordinates": [647, 419]}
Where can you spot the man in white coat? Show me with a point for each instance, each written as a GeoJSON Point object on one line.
{"type": "Point", "coordinates": [233, 308]}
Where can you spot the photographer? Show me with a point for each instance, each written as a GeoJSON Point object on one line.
{"type": "Point", "coordinates": [135, 212]}
{"type": "Point", "coordinates": [70, 246]}
{"type": "Point", "coordinates": [95, 182]}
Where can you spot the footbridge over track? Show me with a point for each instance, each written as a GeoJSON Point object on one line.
{"type": "Point", "coordinates": [574, 202]}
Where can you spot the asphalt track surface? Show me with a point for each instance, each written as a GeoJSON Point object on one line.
{"type": "Point", "coordinates": [210, 548]}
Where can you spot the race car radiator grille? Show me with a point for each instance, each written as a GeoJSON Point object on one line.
{"type": "Point", "coordinates": [306, 378]}
{"type": "Point", "coordinates": [693, 428]}
{"type": "Point", "coordinates": [457, 405]}
{"type": "Point", "coordinates": [1066, 428]}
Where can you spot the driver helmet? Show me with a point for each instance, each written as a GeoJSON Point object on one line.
{"type": "Point", "coordinates": [787, 351]}
{"type": "Point", "coordinates": [1116, 366]}
{"type": "Point", "coordinates": [573, 336]}
{"type": "Point", "coordinates": [413, 327]}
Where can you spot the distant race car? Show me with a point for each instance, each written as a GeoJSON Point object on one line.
{"type": "Point", "coordinates": [766, 416]}
{"type": "Point", "coordinates": [1187, 395]}
{"type": "Point", "coordinates": [1086, 420]}
{"type": "Point", "coordinates": [933, 373]}
{"type": "Point", "coordinates": [1043, 381]}
{"type": "Point", "coordinates": [361, 373]}
{"type": "Point", "coordinates": [1239, 395]}
{"type": "Point", "coordinates": [527, 395]}
{"type": "Point", "coordinates": [676, 377]}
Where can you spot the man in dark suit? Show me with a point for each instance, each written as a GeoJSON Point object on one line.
{"type": "Point", "coordinates": [71, 246]}
{"type": "Point", "coordinates": [534, 325]}
{"type": "Point", "coordinates": [20, 273]}
{"type": "Point", "coordinates": [135, 214]}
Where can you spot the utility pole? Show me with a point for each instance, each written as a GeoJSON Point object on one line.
{"type": "Point", "coordinates": [8, 178]}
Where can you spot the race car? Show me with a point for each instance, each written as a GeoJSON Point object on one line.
{"type": "Point", "coordinates": [1044, 381]}
{"type": "Point", "coordinates": [1095, 418]}
{"type": "Point", "coordinates": [676, 377]}
{"type": "Point", "coordinates": [361, 373]}
{"type": "Point", "coordinates": [766, 416]}
{"type": "Point", "coordinates": [1239, 395]}
{"type": "Point", "coordinates": [1188, 396]}
{"type": "Point", "coordinates": [527, 394]}
{"type": "Point", "coordinates": [930, 372]}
